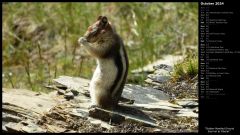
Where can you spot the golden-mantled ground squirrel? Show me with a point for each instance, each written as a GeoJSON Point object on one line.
{"type": "Point", "coordinates": [103, 43]}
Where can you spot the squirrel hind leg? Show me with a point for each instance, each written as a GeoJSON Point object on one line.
{"type": "Point", "coordinates": [105, 102]}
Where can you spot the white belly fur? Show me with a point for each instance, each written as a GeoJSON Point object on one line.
{"type": "Point", "coordinates": [102, 79]}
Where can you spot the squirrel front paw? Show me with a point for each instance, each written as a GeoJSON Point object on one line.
{"type": "Point", "coordinates": [82, 41]}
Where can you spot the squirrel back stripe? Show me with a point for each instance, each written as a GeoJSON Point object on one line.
{"type": "Point", "coordinates": [122, 65]}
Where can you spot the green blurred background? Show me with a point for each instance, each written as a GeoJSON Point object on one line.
{"type": "Point", "coordinates": [39, 40]}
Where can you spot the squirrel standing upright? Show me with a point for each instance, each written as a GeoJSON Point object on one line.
{"type": "Point", "coordinates": [103, 43]}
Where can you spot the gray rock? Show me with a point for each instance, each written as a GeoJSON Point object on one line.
{"type": "Point", "coordinates": [150, 81]}
{"type": "Point", "coordinates": [61, 92]}
{"type": "Point", "coordinates": [69, 95]}
{"type": "Point", "coordinates": [79, 112]}
{"type": "Point", "coordinates": [187, 103]}
{"type": "Point", "coordinates": [187, 113]}
{"type": "Point", "coordinates": [30, 127]}
{"type": "Point", "coordinates": [163, 66]}
{"type": "Point", "coordinates": [105, 115]}
{"type": "Point", "coordinates": [75, 92]}
{"type": "Point", "coordinates": [13, 127]}
{"type": "Point", "coordinates": [24, 126]}
{"type": "Point", "coordinates": [143, 95]}
{"type": "Point", "coordinates": [101, 123]}
{"type": "Point", "coordinates": [158, 78]}
{"type": "Point", "coordinates": [74, 83]}
{"type": "Point", "coordinates": [10, 118]}
{"type": "Point", "coordinates": [195, 110]}
{"type": "Point", "coordinates": [162, 72]}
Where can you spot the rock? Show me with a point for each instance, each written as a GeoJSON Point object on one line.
{"type": "Point", "coordinates": [61, 92]}
{"type": "Point", "coordinates": [24, 126]}
{"type": "Point", "coordinates": [75, 92]}
{"type": "Point", "coordinates": [10, 118]}
{"type": "Point", "coordinates": [13, 127]}
{"type": "Point", "coordinates": [190, 105]}
{"type": "Point", "coordinates": [70, 131]}
{"type": "Point", "coordinates": [158, 78]}
{"type": "Point", "coordinates": [143, 106]}
{"type": "Point", "coordinates": [30, 127]}
{"type": "Point", "coordinates": [122, 114]}
{"type": "Point", "coordinates": [74, 83]}
{"type": "Point", "coordinates": [163, 66]}
{"type": "Point", "coordinates": [79, 112]}
{"type": "Point", "coordinates": [131, 92]}
{"type": "Point", "coordinates": [105, 115]}
{"type": "Point", "coordinates": [134, 115]}
{"type": "Point", "coordinates": [143, 94]}
{"type": "Point", "coordinates": [101, 123]}
{"type": "Point", "coordinates": [158, 106]}
{"type": "Point", "coordinates": [61, 87]}
{"type": "Point", "coordinates": [162, 72]}
{"type": "Point", "coordinates": [26, 101]}
{"type": "Point", "coordinates": [157, 87]}
{"type": "Point", "coordinates": [187, 103]}
{"type": "Point", "coordinates": [150, 81]}
{"type": "Point", "coordinates": [187, 113]}
{"type": "Point", "coordinates": [68, 95]}
{"type": "Point", "coordinates": [157, 130]}
{"type": "Point", "coordinates": [195, 110]}
{"type": "Point", "coordinates": [126, 101]}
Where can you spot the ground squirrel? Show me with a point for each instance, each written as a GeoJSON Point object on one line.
{"type": "Point", "coordinates": [103, 43]}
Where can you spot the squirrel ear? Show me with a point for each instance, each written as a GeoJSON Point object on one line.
{"type": "Point", "coordinates": [99, 17]}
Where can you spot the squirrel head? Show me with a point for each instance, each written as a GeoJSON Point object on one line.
{"type": "Point", "coordinates": [101, 28]}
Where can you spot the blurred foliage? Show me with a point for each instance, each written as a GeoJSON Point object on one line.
{"type": "Point", "coordinates": [187, 69]}
{"type": "Point", "coordinates": [40, 39]}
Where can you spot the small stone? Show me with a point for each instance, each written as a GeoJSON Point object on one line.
{"type": "Point", "coordinates": [13, 127]}
{"type": "Point", "coordinates": [10, 118]}
{"type": "Point", "coordinates": [157, 130]}
{"type": "Point", "coordinates": [190, 105]}
{"type": "Point", "coordinates": [75, 92]}
{"type": "Point", "coordinates": [158, 78]}
{"type": "Point", "coordinates": [195, 110]}
{"type": "Point", "coordinates": [79, 113]}
{"type": "Point", "coordinates": [156, 87]}
{"type": "Point", "coordinates": [70, 131]}
{"type": "Point", "coordinates": [187, 103]}
{"type": "Point", "coordinates": [163, 66]}
{"type": "Point", "coordinates": [105, 115]}
{"type": "Point", "coordinates": [37, 94]}
{"type": "Point", "coordinates": [69, 95]}
{"type": "Point", "coordinates": [186, 113]}
{"type": "Point", "coordinates": [162, 72]}
{"type": "Point", "coordinates": [61, 92]}
{"type": "Point", "coordinates": [32, 128]}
